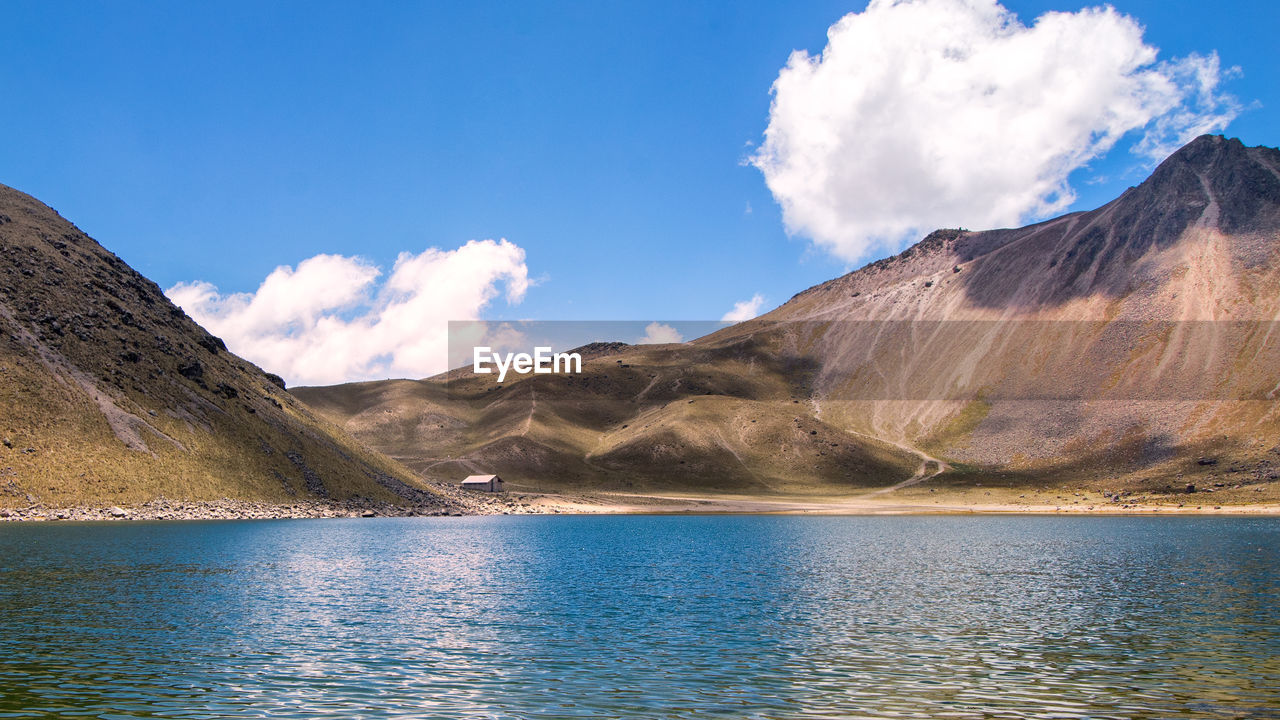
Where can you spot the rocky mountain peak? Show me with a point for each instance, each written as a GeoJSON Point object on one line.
{"type": "Point", "coordinates": [1238, 185]}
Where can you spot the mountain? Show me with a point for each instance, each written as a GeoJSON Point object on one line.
{"type": "Point", "coordinates": [1131, 341]}
{"type": "Point", "coordinates": [110, 394]}
{"type": "Point", "coordinates": [1130, 347]}
{"type": "Point", "coordinates": [638, 417]}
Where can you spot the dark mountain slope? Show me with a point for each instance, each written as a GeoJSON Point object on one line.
{"type": "Point", "coordinates": [110, 394]}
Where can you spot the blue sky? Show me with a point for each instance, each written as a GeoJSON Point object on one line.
{"type": "Point", "coordinates": [216, 142]}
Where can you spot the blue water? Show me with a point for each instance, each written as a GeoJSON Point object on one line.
{"type": "Point", "coordinates": [641, 616]}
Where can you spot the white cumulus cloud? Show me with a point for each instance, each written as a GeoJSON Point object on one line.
{"type": "Point", "coordinates": [745, 309]}
{"type": "Point", "coordinates": [659, 334]}
{"type": "Point", "coordinates": [922, 114]}
{"type": "Point", "coordinates": [330, 319]}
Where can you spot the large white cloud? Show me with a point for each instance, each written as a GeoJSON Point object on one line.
{"type": "Point", "coordinates": [330, 320]}
{"type": "Point", "coordinates": [922, 114]}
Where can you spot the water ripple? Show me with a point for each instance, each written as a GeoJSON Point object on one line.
{"type": "Point", "coordinates": [676, 617]}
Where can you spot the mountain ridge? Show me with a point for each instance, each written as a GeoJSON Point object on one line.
{"type": "Point", "coordinates": [852, 363]}
{"type": "Point", "coordinates": [1250, 179]}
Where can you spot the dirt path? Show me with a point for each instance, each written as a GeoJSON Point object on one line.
{"type": "Point", "coordinates": [922, 473]}
{"type": "Point", "coordinates": [533, 405]}
{"type": "Point", "coordinates": [654, 381]}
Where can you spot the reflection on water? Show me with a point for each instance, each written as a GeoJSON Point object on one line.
{"type": "Point", "coordinates": [561, 617]}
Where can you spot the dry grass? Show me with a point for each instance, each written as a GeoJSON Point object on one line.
{"type": "Point", "coordinates": [175, 415]}
{"type": "Point", "coordinates": [643, 419]}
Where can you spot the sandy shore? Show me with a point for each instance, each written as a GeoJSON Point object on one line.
{"type": "Point", "coordinates": [934, 504]}
{"type": "Point", "coordinates": [919, 502]}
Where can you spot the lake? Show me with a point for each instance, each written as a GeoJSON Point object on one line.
{"type": "Point", "coordinates": [643, 616]}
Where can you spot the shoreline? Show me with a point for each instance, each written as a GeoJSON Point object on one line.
{"type": "Point", "coordinates": [225, 509]}
{"type": "Point", "coordinates": [229, 509]}
{"type": "Point", "coordinates": [601, 503]}
{"type": "Point", "coordinates": [667, 504]}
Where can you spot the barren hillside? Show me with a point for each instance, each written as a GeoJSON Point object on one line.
{"type": "Point", "coordinates": [109, 393]}
{"type": "Point", "coordinates": [1133, 346]}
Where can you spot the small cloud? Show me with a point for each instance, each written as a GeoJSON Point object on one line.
{"type": "Point", "coordinates": [744, 310]}
{"type": "Point", "coordinates": [748, 211]}
{"type": "Point", "coordinates": [499, 337]}
{"type": "Point", "coordinates": [659, 334]}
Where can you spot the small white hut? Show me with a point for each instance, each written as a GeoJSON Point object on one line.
{"type": "Point", "coordinates": [483, 483]}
